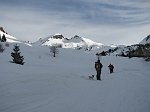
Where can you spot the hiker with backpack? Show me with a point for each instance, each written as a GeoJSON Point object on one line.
{"type": "Point", "coordinates": [98, 67]}
{"type": "Point", "coordinates": [111, 68]}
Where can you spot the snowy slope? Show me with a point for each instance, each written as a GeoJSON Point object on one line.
{"type": "Point", "coordinates": [119, 49]}
{"type": "Point", "coordinates": [8, 37]}
{"type": "Point", "coordinates": [61, 84]}
{"type": "Point", "coordinates": [74, 42]}
{"type": "Point", "coordinates": [124, 49]}
{"type": "Point", "coordinates": [146, 40]}
{"type": "Point", "coordinates": [11, 39]}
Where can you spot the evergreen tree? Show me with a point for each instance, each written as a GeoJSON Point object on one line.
{"type": "Point", "coordinates": [3, 38]}
{"type": "Point", "coordinates": [17, 58]}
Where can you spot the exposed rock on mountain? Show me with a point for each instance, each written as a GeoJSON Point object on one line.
{"type": "Point", "coordinates": [1, 29]}
{"type": "Point", "coordinates": [146, 40]}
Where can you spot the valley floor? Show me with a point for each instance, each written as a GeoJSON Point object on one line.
{"type": "Point", "coordinates": [54, 87]}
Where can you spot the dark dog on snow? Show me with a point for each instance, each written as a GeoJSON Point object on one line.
{"type": "Point", "coordinates": [91, 77]}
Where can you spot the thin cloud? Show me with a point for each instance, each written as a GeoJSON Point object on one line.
{"type": "Point", "coordinates": [106, 21]}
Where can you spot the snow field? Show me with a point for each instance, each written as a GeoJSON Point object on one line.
{"type": "Point", "coordinates": [61, 84]}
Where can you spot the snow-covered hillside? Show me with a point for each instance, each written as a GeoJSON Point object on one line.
{"type": "Point", "coordinates": [125, 49]}
{"type": "Point", "coordinates": [75, 42]}
{"type": "Point", "coordinates": [9, 37]}
{"type": "Point", "coordinates": [12, 39]}
{"type": "Point", "coordinates": [146, 40]}
{"type": "Point", "coordinates": [61, 84]}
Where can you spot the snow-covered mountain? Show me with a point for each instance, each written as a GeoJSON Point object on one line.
{"type": "Point", "coordinates": [11, 39]}
{"type": "Point", "coordinates": [75, 42]}
{"type": "Point", "coordinates": [146, 40]}
{"type": "Point", "coordinates": [8, 37]}
{"type": "Point", "coordinates": [124, 50]}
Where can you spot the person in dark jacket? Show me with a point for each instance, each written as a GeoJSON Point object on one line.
{"type": "Point", "coordinates": [111, 68]}
{"type": "Point", "coordinates": [98, 67]}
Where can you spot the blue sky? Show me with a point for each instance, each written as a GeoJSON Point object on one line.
{"type": "Point", "coordinates": [106, 21]}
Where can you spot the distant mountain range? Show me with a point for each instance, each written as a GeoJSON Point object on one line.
{"type": "Point", "coordinates": [75, 42]}
{"type": "Point", "coordinates": [58, 40]}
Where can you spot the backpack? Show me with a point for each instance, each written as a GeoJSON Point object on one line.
{"type": "Point", "coordinates": [97, 65]}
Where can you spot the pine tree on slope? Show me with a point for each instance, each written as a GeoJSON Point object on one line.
{"type": "Point", "coordinates": [17, 58]}
{"type": "Point", "coordinates": [3, 38]}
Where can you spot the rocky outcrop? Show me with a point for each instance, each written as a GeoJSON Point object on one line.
{"type": "Point", "coordinates": [2, 29]}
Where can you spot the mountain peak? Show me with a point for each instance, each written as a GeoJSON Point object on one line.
{"type": "Point", "coordinates": [146, 40]}
{"type": "Point", "coordinates": [74, 42]}
{"type": "Point", "coordinates": [76, 39]}
{"type": "Point", "coordinates": [76, 36]}
{"type": "Point", "coordinates": [57, 36]}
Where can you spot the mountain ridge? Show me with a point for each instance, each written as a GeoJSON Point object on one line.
{"type": "Point", "coordinates": [146, 40]}
{"type": "Point", "coordinates": [75, 42]}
